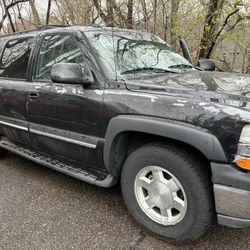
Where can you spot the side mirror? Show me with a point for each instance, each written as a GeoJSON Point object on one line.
{"type": "Point", "coordinates": [71, 73]}
{"type": "Point", "coordinates": [206, 64]}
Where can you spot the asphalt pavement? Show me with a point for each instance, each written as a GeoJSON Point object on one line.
{"type": "Point", "coordinates": [43, 209]}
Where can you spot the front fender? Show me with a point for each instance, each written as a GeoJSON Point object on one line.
{"type": "Point", "coordinates": [197, 137]}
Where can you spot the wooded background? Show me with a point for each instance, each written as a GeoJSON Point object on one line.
{"type": "Point", "coordinates": [218, 29]}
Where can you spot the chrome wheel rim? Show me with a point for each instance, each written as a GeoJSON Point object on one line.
{"type": "Point", "coordinates": [160, 195]}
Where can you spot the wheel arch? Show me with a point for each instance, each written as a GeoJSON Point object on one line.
{"type": "Point", "coordinates": [125, 131]}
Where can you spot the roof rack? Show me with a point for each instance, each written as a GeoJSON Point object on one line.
{"type": "Point", "coordinates": [96, 25]}
{"type": "Point", "coordinates": [45, 27]}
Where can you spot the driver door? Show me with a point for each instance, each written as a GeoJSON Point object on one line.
{"type": "Point", "coordinates": [64, 119]}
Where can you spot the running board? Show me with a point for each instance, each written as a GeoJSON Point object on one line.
{"type": "Point", "coordinates": [78, 173]}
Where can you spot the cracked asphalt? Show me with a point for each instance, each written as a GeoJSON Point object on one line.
{"type": "Point", "coordinates": [43, 209]}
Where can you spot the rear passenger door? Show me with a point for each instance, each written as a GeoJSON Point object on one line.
{"type": "Point", "coordinates": [64, 118]}
{"type": "Point", "coordinates": [14, 89]}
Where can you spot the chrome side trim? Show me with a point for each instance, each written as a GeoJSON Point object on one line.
{"type": "Point", "coordinates": [85, 144]}
{"type": "Point", "coordinates": [58, 137]}
{"type": "Point", "coordinates": [14, 125]}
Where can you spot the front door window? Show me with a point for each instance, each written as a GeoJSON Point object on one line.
{"type": "Point", "coordinates": [57, 49]}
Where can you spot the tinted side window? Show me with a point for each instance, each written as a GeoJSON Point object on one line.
{"type": "Point", "coordinates": [57, 49]}
{"type": "Point", "coordinates": [15, 58]}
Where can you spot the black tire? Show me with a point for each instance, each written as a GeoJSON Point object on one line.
{"type": "Point", "coordinates": [199, 213]}
{"type": "Point", "coordinates": [3, 152]}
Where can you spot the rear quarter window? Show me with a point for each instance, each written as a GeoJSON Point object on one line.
{"type": "Point", "coordinates": [15, 58]}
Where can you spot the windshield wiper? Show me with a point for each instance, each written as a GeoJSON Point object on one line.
{"type": "Point", "coordinates": [159, 70]}
{"type": "Point", "coordinates": [181, 66]}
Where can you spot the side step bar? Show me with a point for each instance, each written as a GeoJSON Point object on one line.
{"type": "Point", "coordinates": [57, 165]}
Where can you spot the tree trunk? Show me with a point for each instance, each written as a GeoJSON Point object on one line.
{"type": "Point", "coordinates": [48, 12]}
{"type": "Point", "coordinates": [130, 14]}
{"type": "Point", "coordinates": [145, 14]}
{"type": "Point", "coordinates": [155, 16]}
{"type": "Point", "coordinates": [35, 14]}
{"type": "Point", "coordinates": [210, 28]}
{"type": "Point", "coordinates": [107, 19]}
{"type": "Point", "coordinates": [20, 16]}
{"type": "Point", "coordinates": [110, 13]}
{"type": "Point", "coordinates": [173, 22]}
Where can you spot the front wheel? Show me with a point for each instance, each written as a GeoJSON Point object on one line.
{"type": "Point", "coordinates": [167, 191]}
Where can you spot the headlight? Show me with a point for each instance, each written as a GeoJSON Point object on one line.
{"type": "Point", "coordinates": [245, 135]}
{"type": "Point", "coordinates": [242, 159]}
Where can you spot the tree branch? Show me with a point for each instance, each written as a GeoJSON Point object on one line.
{"type": "Point", "coordinates": [7, 7]}
{"type": "Point", "coordinates": [48, 12]}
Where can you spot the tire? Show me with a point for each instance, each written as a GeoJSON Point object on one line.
{"type": "Point", "coordinates": [178, 187]}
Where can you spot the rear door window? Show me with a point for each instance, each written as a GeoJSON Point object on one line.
{"type": "Point", "coordinates": [15, 58]}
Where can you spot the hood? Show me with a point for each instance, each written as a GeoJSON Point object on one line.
{"type": "Point", "coordinates": [226, 88]}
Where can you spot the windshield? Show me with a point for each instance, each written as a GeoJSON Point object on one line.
{"type": "Point", "coordinates": [135, 53]}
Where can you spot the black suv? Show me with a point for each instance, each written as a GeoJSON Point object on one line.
{"type": "Point", "coordinates": [105, 105]}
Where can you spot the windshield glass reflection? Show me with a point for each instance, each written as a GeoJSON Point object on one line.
{"type": "Point", "coordinates": [136, 53]}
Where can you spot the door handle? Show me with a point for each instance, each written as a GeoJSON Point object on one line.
{"type": "Point", "coordinates": [34, 97]}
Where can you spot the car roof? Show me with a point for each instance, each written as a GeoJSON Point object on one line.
{"type": "Point", "coordinates": [52, 28]}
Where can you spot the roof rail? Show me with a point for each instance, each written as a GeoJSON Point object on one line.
{"type": "Point", "coordinates": [46, 27]}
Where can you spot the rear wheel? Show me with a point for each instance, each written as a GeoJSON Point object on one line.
{"type": "Point", "coordinates": [168, 192]}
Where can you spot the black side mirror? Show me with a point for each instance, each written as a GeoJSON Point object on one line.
{"type": "Point", "coordinates": [71, 73]}
{"type": "Point", "coordinates": [207, 65]}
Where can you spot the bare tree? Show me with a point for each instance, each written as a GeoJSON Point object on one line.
{"type": "Point", "coordinates": [130, 14]}
{"type": "Point", "coordinates": [173, 22]}
{"type": "Point", "coordinates": [48, 12]}
{"type": "Point", "coordinates": [216, 23]}
{"type": "Point", "coordinates": [110, 13]}
{"type": "Point", "coordinates": [206, 24]}
{"type": "Point", "coordinates": [145, 14]}
{"type": "Point", "coordinates": [6, 10]}
{"type": "Point", "coordinates": [36, 16]}
{"type": "Point", "coordinates": [20, 16]}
